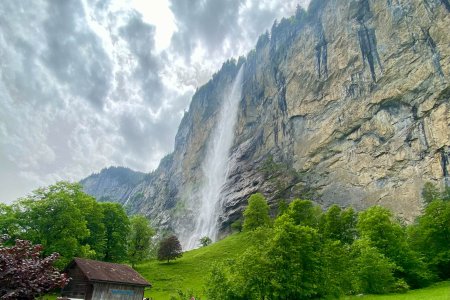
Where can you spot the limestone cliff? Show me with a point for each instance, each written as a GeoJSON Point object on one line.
{"type": "Point", "coordinates": [348, 103]}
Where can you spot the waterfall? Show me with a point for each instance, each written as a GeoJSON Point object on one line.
{"type": "Point", "coordinates": [215, 166]}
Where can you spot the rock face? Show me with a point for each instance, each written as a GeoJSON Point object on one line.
{"type": "Point", "coordinates": [348, 103]}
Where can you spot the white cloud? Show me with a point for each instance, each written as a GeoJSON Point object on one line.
{"type": "Point", "coordinates": [88, 84]}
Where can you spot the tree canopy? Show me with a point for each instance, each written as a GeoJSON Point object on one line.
{"type": "Point", "coordinates": [257, 212]}
{"type": "Point", "coordinates": [139, 239]}
{"type": "Point", "coordinates": [64, 219]}
{"type": "Point", "coordinates": [169, 249]}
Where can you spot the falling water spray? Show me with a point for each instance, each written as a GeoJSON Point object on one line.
{"type": "Point", "coordinates": [216, 165]}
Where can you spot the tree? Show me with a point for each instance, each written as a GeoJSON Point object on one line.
{"type": "Point", "coordinates": [205, 241]}
{"type": "Point", "coordinates": [293, 259]}
{"type": "Point", "coordinates": [378, 227]}
{"type": "Point", "coordinates": [24, 274]}
{"type": "Point", "coordinates": [219, 286]}
{"type": "Point", "coordinates": [338, 224]}
{"type": "Point", "coordinates": [117, 226]}
{"type": "Point", "coordinates": [374, 271]}
{"type": "Point", "coordinates": [304, 212]}
{"type": "Point", "coordinates": [53, 217]}
{"type": "Point", "coordinates": [236, 226]}
{"type": "Point", "coordinates": [431, 237]}
{"type": "Point", "coordinates": [94, 215]}
{"type": "Point", "coordinates": [8, 220]}
{"type": "Point", "coordinates": [257, 213]}
{"type": "Point", "coordinates": [169, 248]}
{"type": "Point", "coordinates": [336, 277]}
{"type": "Point", "coordinates": [139, 240]}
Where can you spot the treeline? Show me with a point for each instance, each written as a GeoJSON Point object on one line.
{"type": "Point", "coordinates": [305, 253]}
{"type": "Point", "coordinates": [64, 219]}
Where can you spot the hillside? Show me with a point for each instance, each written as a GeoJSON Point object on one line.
{"type": "Point", "coordinates": [190, 272]}
{"type": "Point", "coordinates": [112, 184]}
{"type": "Point", "coordinates": [347, 103]}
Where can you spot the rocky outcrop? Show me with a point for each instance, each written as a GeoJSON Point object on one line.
{"type": "Point", "coordinates": [348, 103]}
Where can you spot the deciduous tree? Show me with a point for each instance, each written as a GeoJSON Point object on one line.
{"type": "Point", "coordinates": [139, 240]}
{"type": "Point", "coordinates": [257, 212]}
{"type": "Point", "coordinates": [24, 274]}
{"type": "Point", "coordinates": [169, 249]}
{"type": "Point", "coordinates": [117, 226]}
{"type": "Point", "coordinates": [205, 241]}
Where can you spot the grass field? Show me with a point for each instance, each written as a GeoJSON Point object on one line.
{"type": "Point", "coordinates": [438, 291]}
{"type": "Point", "coordinates": [190, 271]}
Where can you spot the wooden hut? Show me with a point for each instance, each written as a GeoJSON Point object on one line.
{"type": "Point", "coordinates": [98, 280]}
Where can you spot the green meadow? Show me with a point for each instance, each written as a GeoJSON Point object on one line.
{"type": "Point", "coordinates": [189, 274]}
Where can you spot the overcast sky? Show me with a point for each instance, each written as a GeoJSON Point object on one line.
{"type": "Point", "coordinates": [87, 84]}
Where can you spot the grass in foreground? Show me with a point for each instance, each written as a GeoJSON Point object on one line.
{"type": "Point", "coordinates": [189, 273]}
{"type": "Point", "coordinates": [438, 291]}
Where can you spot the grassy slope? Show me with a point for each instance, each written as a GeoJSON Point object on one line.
{"type": "Point", "coordinates": [190, 271]}
{"type": "Point", "coordinates": [439, 291]}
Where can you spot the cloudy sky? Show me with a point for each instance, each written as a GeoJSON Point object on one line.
{"type": "Point", "coordinates": [87, 84]}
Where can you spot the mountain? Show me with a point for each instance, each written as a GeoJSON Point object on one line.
{"type": "Point", "coordinates": [348, 103]}
{"type": "Point", "coordinates": [112, 184]}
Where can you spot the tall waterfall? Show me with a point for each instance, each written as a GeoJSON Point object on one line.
{"type": "Point", "coordinates": [215, 166]}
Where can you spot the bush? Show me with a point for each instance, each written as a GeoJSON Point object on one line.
{"type": "Point", "coordinates": [24, 274]}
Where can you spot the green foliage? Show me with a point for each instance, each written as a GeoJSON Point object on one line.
{"type": "Point", "coordinates": [431, 237]}
{"type": "Point", "coordinates": [139, 239]}
{"type": "Point", "coordinates": [257, 213]}
{"type": "Point", "coordinates": [192, 271]}
{"type": "Point", "coordinates": [282, 207]}
{"type": "Point", "coordinates": [337, 276]}
{"type": "Point", "coordinates": [219, 284]}
{"type": "Point", "coordinates": [377, 225]}
{"type": "Point", "coordinates": [374, 271]}
{"type": "Point", "coordinates": [236, 226]}
{"type": "Point", "coordinates": [8, 221]}
{"type": "Point", "coordinates": [292, 253]}
{"type": "Point", "coordinates": [437, 291]}
{"type": "Point", "coordinates": [185, 295]}
{"type": "Point", "coordinates": [205, 241]}
{"type": "Point", "coordinates": [94, 214]}
{"type": "Point", "coordinates": [338, 224]}
{"type": "Point", "coordinates": [64, 219]}
{"type": "Point", "coordinates": [55, 218]}
{"type": "Point", "coordinates": [304, 212]}
{"type": "Point", "coordinates": [117, 226]}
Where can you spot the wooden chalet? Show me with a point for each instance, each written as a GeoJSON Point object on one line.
{"type": "Point", "coordinates": [98, 280]}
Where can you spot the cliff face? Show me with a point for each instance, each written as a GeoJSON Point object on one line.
{"type": "Point", "coordinates": [347, 104]}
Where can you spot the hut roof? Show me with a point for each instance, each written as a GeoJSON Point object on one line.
{"type": "Point", "coordinates": [99, 271]}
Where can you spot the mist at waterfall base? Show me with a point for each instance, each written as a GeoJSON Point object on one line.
{"type": "Point", "coordinates": [215, 168]}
